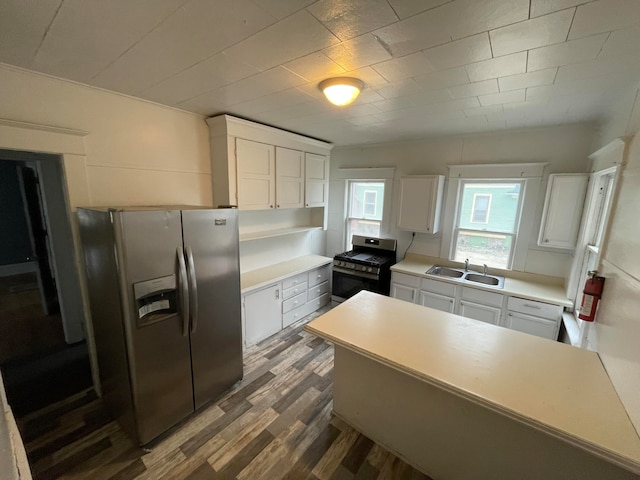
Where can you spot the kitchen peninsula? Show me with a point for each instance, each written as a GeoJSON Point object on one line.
{"type": "Point", "coordinates": [457, 398]}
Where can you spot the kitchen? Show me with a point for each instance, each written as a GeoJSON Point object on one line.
{"type": "Point", "coordinates": [118, 150]}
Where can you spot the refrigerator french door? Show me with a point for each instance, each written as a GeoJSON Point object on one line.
{"type": "Point", "coordinates": [172, 341]}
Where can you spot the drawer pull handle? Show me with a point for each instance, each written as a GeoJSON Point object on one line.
{"type": "Point", "coordinates": [319, 276]}
{"type": "Point", "coordinates": [531, 306]}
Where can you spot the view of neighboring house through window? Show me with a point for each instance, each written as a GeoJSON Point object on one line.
{"type": "Point", "coordinates": [487, 222]}
{"type": "Point", "coordinates": [364, 208]}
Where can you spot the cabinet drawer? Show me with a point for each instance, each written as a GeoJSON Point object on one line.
{"type": "Point", "coordinates": [539, 309]}
{"type": "Point", "coordinates": [296, 314]}
{"type": "Point", "coordinates": [318, 276]}
{"type": "Point", "coordinates": [295, 290]}
{"type": "Point", "coordinates": [294, 302]}
{"type": "Point", "coordinates": [540, 327]}
{"type": "Point", "coordinates": [482, 296]}
{"type": "Point", "coordinates": [293, 281]}
{"type": "Point", "coordinates": [404, 279]}
{"type": "Point", "coordinates": [317, 290]}
{"type": "Point", "coordinates": [434, 286]}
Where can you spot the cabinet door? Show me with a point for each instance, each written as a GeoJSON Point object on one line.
{"type": "Point", "coordinates": [317, 180]}
{"type": "Point", "coordinates": [262, 314]}
{"type": "Point", "coordinates": [289, 178]}
{"type": "Point", "coordinates": [477, 311]}
{"type": "Point", "coordinates": [420, 203]}
{"type": "Point", "coordinates": [403, 292]}
{"type": "Point", "coordinates": [562, 210]}
{"type": "Point", "coordinates": [540, 327]}
{"type": "Point", "coordinates": [256, 170]}
{"type": "Point", "coordinates": [439, 302]}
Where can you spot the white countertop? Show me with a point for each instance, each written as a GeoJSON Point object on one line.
{"type": "Point", "coordinates": [550, 386]}
{"type": "Point", "coordinates": [273, 273]}
{"type": "Point", "coordinates": [533, 287]}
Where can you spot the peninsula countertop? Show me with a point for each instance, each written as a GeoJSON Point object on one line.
{"type": "Point", "coordinates": [549, 386]}
{"type": "Point", "coordinates": [531, 286]}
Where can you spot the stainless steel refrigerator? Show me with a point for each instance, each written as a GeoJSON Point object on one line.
{"type": "Point", "coordinates": [164, 289]}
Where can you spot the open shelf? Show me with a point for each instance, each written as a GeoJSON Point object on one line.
{"type": "Point", "coordinates": [277, 232]}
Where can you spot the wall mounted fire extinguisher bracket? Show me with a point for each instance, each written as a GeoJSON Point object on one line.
{"type": "Point", "coordinates": [591, 296]}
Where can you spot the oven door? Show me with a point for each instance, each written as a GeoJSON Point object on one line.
{"type": "Point", "coordinates": [346, 283]}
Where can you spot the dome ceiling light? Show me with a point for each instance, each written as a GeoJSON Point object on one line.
{"type": "Point", "coordinates": [341, 91]}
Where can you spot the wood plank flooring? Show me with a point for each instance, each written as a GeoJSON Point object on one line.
{"type": "Point", "coordinates": [275, 424]}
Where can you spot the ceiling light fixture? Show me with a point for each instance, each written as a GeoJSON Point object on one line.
{"type": "Point", "coordinates": [341, 91]}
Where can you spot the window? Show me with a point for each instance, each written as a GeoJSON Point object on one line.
{"type": "Point", "coordinates": [480, 210]}
{"type": "Point", "coordinates": [487, 222]}
{"type": "Point", "coordinates": [364, 208]}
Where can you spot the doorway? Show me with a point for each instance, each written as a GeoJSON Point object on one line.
{"type": "Point", "coordinates": [43, 354]}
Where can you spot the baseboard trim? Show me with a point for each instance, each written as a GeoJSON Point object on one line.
{"type": "Point", "coordinates": [18, 268]}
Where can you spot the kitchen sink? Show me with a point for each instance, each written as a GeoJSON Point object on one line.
{"type": "Point", "coordinates": [463, 276]}
{"type": "Point", "coordinates": [484, 279]}
{"type": "Point", "coordinates": [445, 272]}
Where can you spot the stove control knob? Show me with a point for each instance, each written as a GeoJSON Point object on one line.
{"type": "Point", "coordinates": [340, 264]}
{"type": "Point", "coordinates": [369, 269]}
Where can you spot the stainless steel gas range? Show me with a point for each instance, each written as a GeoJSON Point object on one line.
{"type": "Point", "coordinates": [366, 267]}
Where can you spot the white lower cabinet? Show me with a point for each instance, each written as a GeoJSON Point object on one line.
{"type": "Point", "coordinates": [528, 316]}
{"type": "Point", "coordinates": [269, 310]}
{"type": "Point", "coordinates": [262, 313]}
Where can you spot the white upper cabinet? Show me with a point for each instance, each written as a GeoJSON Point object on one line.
{"type": "Point", "coordinates": [289, 178]}
{"type": "Point", "coordinates": [316, 180]}
{"type": "Point", "coordinates": [256, 175]}
{"type": "Point", "coordinates": [562, 210]}
{"type": "Point", "coordinates": [420, 203]}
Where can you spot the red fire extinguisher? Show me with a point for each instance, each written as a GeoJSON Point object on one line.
{"type": "Point", "coordinates": [591, 296]}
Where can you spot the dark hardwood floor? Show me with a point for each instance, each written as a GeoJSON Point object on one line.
{"type": "Point", "coordinates": [275, 424]}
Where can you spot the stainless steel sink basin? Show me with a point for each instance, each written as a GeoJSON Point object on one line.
{"type": "Point", "coordinates": [445, 272]}
{"type": "Point", "coordinates": [485, 279]}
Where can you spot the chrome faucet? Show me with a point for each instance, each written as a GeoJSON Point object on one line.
{"type": "Point", "coordinates": [466, 265]}
{"type": "Point", "coordinates": [485, 269]}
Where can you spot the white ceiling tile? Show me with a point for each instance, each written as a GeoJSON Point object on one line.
{"type": "Point", "coordinates": [566, 53]}
{"type": "Point", "coordinates": [624, 42]}
{"type": "Point", "coordinates": [597, 68]}
{"type": "Point", "coordinates": [604, 16]}
{"type": "Point", "coordinates": [285, 98]}
{"type": "Point", "coordinates": [491, 110]}
{"type": "Point", "coordinates": [525, 80]}
{"type": "Point", "coordinates": [404, 67]}
{"type": "Point", "coordinates": [416, 33]}
{"type": "Point", "coordinates": [543, 7]}
{"type": "Point", "coordinates": [193, 33]}
{"type": "Point", "coordinates": [443, 79]}
{"type": "Point", "coordinates": [23, 25]}
{"type": "Point", "coordinates": [408, 8]}
{"type": "Point", "coordinates": [303, 34]}
{"type": "Point", "coordinates": [351, 18]}
{"type": "Point", "coordinates": [96, 32]}
{"type": "Point", "coordinates": [497, 67]}
{"type": "Point", "coordinates": [467, 17]}
{"type": "Point", "coordinates": [535, 33]}
{"type": "Point", "coordinates": [474, 89]}
{"type": "Point", "coordinates": [459, 52]}
{"type": "Point", "coordinates": [399, 89]}
{"type": "Point", "coordinates": [282, 8]}
{"type": "Point", "coordinates": [213, 73]}
{"type": "Point", "coordinates": [414, 100]}
{"type": "Point", "coordinates": [357, 52]}
{"type": "Point", "coordinates": [502, 98]}
{"type": "Point", "coordinates": [369, 76]}
{"type": "Point", "coordinates": [315, 66]}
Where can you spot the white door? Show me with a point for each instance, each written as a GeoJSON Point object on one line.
{"type": "Point", "coordinates": [477, 311]}
{"type": "Point", "coordinates": [256, 175]}
{"type": "Point", "coordinates": [540, 327]}
{"type": "Point", "coordinates": [439, 302]}
{"type": "Point", "coordinates": [316, 183]}
{"type": "Point", "coordinates": [262, 314]}
{"type": "Point", "coordinates": [403, 292]}
{"type": "Point", "coordinates": [289, 178]}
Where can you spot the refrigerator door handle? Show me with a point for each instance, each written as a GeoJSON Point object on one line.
{"type": "Point", "coordinates": [184, 292]}
{"type": "Point", "coordinates": [193, 294]}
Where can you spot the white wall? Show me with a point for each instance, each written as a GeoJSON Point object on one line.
{"type": "Point", "coordinates": [564, 148]}
{"type": "Point", "coordinates": [616, 332]}
{"type": "Point", "coordinates": [136, 152]}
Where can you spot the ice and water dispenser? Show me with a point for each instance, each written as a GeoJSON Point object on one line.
{"type": "Point", "coordinates": [156, 299]}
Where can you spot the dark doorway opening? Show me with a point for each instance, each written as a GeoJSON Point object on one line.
{"type": "Point", "coordinates": [41, 362]}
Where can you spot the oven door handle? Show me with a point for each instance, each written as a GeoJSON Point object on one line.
{"type": "Point", "coordinates": [354, 273]}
